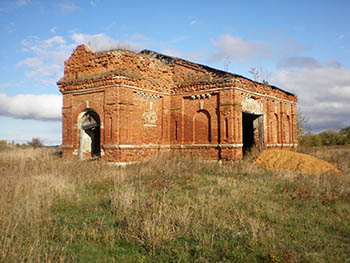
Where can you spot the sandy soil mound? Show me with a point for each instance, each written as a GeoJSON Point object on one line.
{"type": "Point", "coordinates": [283, 160]}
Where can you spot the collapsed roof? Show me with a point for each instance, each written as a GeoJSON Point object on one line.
{"type": "Point", "coordinates": [151, 70]}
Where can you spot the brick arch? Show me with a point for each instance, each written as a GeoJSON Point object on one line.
{"type": "Point", "coordinates": [201, 127]}
{"type": "Point", "coordinates": [208, 107]}
{"type": "Point", "coordinates": [78, 113]}
{"type": "Point", "coordinates": [89, 124]}
{"type": "Point", "coordinates": [82, 108]}
{"type": "Point", "coordinates": [214, 118]}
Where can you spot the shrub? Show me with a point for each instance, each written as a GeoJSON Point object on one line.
{"type": "Point", "coordinates": [36, 142]}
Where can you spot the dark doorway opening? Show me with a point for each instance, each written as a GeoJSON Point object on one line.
{"type": "Point", "coordinates": [251, 131]}
{"type": "Point", "coordinates": [91, 126]}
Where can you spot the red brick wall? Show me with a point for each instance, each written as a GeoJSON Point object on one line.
{"type": "Point", "coordinates": [147, 106]}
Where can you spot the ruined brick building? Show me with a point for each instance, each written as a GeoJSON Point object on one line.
{"type": "Point", "coordinates": [124, 106]}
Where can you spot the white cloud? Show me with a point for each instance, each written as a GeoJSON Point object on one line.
{"type": "Point", "coordinates": [237, 48]}
{"type": "Point", "coordinates": [46, 62]}
{"type": "Point", "coordinates": [33, 62]}
{"type": "Point", "coordinates": [47, 58]}
{"type": "Point", "coordinates": [37, 107]}
{"type": "Point", "coordinates": [299, 62]}
{"type": "Point", "coordinates": [54, 40]}
{"type": "Point", "coordinates": [250, 51]}
{"type": "Point", "coordinates": [323, 93]}
{"type": "Point", "coordinates": [45, 72]}
{"type": "Point", "coordinates": [290, 48]}
{"type": "Point", "coordinates": [102, 42]}
{"type": "Point", "coordinates": [67, 6]}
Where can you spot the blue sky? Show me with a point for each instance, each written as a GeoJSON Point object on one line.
{"type": "Point", "coordinates": [299, 46]}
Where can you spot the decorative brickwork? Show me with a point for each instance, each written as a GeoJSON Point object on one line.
{"type": "Point", "coordinates": [123, 106]}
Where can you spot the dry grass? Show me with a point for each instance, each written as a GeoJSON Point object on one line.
{"type": "Point", "coordinates": [339, 156]}
{"type": "Point", "coordinates": [169, 210]}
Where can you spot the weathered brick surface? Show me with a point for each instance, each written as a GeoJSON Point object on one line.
{"type": "Point", "coordinates": [148, 103]}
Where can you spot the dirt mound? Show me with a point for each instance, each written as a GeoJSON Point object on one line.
{"type": "Point", "coordinates": [283, 160]}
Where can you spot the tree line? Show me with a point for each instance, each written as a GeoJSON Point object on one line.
{"type": "Point", "coordinates": [326, 138]}
{"type": "Point", "coordinates": [35, 143]}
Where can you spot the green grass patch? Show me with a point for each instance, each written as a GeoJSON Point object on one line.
{"type": "Point", "coordinates": [171, 210]}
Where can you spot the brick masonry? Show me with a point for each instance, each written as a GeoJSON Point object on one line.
{"type": "Point", "coordinates": [124, 106]}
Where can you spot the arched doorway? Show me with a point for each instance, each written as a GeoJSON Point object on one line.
{"type": "Point", "coordinates": [252, 131]}
{"type": "Point", "coordinates": [89, 135]}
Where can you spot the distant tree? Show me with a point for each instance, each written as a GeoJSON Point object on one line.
{"type": "Point", "coordinates": [36, 142]}
{"type": "Point", "coordinates": [325, 138]}
{"type": "Point", "coordinates": [346, 131]}
{"type": "Point", "coordinates": [329, 138]}
{"type": "Point", "coordinates": [301, 125]}
{"type": "Point", "coordinates": [310, 140]}
{"type": "Point", "coordinates": [3, 142]}
{"type": "Point", "coordinates": [343, 139]}
{"type": "Point", "coordinates": [316, 140]}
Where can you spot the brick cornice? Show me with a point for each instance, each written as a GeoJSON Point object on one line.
{"type": "Point", "coordinates": [80, 85]}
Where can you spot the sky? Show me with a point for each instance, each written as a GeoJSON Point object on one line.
{"type": "Point", "coordinates": [300, 46]}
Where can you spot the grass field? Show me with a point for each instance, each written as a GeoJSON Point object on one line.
{"type": "Point", "coordinates": [170, 210]}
